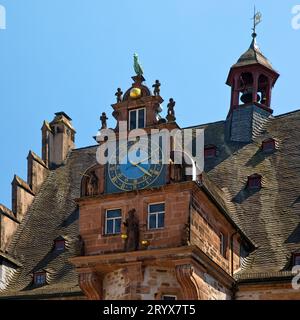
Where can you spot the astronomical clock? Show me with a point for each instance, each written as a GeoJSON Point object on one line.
{"type": "Point", "coordinates": [135, 166]}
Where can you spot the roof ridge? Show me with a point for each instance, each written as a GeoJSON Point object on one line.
{"type": "Point", "coordinates": [287, 113]}
{"type": "Point", "coordinates": [87, 147]}
{"type": "Point", "coordinates": [22, 183]}
{"type": "Point", "coordinates": [37, 158]}
{"type": "Point", "coordinates": [205, 124]}
{"type": "Point", "coordinates": [7, 212]}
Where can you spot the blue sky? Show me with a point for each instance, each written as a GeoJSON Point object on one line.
{"type": "Point", "coordinates": [71, 55]}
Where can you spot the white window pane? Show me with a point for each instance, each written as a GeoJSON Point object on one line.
{"type": "Point", "coordinates": [132, 120]}
{"type": "Point", "coordinates": [159, 207]}
{"type": "Point", "coordinates": [117, 225]}
{"type": "Point", "coordinates": [152, 221]}
{"type": "Point", "coordinates": [141, 115]}
{"type": "Point", "coordinates": [161, 220]}
{"type": "Point", "coordinates": [113, 213]}
{"type": "Point", "coordinates": [109, 226]}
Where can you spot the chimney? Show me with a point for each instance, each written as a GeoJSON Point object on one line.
{"type": "Point", "coordinates": [58, 139]}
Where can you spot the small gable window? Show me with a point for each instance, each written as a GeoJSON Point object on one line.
{"type": "Point", "coordinates": [210, 151]}
{"type": "Point", "coordinates": [59, 244]}
{"type": "Point", "coordinates": [39, 278]}
{"type": "Point", "coordinates": [296, 259]}
{"type": "Point", "coordinates": [268, 145]}
{"type": "Point", "coordinates": [254, 181]}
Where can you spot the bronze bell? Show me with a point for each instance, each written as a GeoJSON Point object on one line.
{"type": "Point", "coordinates": [247, 96]}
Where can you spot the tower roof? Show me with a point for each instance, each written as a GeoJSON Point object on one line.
{"type": "Point", "coordinates": [253, 56]}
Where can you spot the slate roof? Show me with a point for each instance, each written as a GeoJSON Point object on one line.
{"type": "Point", "coordinates": [253, 56]}
{"type": "Point", "coordinates": [270, 217]}
{"type": "Point", "coordinates": [53, 213]}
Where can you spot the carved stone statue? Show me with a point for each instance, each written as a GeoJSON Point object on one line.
{"type": "Point", "coordinates": [92, 184]}
{"type": "Point", "coordinates": [156, 87]}
{"type": "Point", "coordinates": [175, 172]}
{"type": "Point", "coordinates": [132, 232]}
{"type": "Point", "coordinates": [119, 94]}
{"type": "Point", "coordinates": [103, 119]}
{"type": "Point", "coordinates": [171, 112]}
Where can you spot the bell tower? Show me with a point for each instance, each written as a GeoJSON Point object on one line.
{"type": "Point", "coordinates": [251, 80]}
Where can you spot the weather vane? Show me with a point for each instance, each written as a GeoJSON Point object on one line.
{"type": "Point", "coordinates": [257, 19]}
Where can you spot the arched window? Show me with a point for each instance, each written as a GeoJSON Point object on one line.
{"type": "Point", "coordinates": [246, 87]}
{"type": "Point", "coordinates": [263, 87]}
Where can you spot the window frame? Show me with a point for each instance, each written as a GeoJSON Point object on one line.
{"type": "Point", "coordinates": [59, 241]}
{"type": "Point", "coordinates": [37, 276]}
{"type": "Point", "coordinates": [137, 118]}
{"type": "Point", "coordinates": [268, 142]}
{"type": "Point", "coordinates": [295, 257]}
{"type": "Point", "coordinates": [212, 149]}
{"type": "Point", "coordinates": [251, 179]}
{"type": "Point", "coordinates": [155, 213]}
{"type": "Point", "coordinates": [114, 224]}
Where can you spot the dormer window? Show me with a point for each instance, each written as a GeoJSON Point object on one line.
{"type": "Point", "coordinates": [137, 119]}
{"type": "Point", "coordinates": [268, 145]}
{"type": "Point", "coordinates": [296, 259]}
{"type": "Point", "coordinates": [210, 151]}
{"type": "Point", "coordinates": [39, 278]}
{"type": "Point", "coordinates": [254, 181]}
{"type": "Point", "coordinates": [59, 244]}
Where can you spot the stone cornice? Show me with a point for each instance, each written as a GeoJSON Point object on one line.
{"type": "Point", "coordinates": [167, 257]}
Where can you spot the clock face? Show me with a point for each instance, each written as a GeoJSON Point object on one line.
{"type": "Point", "coordinates": [138, 168]}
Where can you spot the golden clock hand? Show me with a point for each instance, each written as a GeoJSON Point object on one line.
{"type": "Point", "coordinates": [141, 168]}
{"type": "Point", "coordinates": [144, 170]}
{"type": "Point", "coordinates": [148, 158]}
